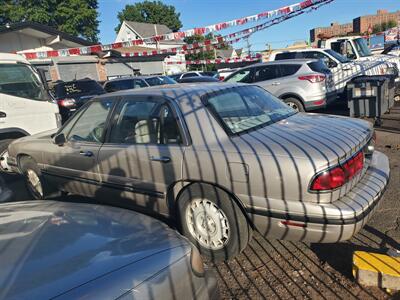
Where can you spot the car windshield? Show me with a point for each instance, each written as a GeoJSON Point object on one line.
{"type": "Point", "coordinates": [159, 80]}
{"type": "Point", "coordinates": [362, 47]}
{"type": "Point", "coordinates": [21, 80]}
{"type": "Point", "coordinates": [342, 59]}
{"type": "Point", "coordinates": [78, 88]}
{"type": "Point", "coordinates": [245, 108]}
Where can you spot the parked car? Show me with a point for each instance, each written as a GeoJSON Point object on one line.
{"type": "Point", "coordinates": [25, 104]}
{"type": "Point", "coordinates": [198, 79]}
{"type": "Point", "coordinates": [219, 159]}
{"type": "Point", "coordinates": [223, 73]}
{"type": "Point", "coordinates": [342, 68]}
{"type": "Point", "coordinates": [193, 74]}
{"type": "Point", "coordinates": [127, 83]}
{"type": "Point", "coordinates": [71, 95]}
{"type": "Point", "coordinates": [304, 85]}
{"type": "Point", "coordinates": [61, 250]}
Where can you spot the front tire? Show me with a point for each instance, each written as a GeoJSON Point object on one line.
{"type": "Point", "coordinates": [34, 180]}
{"type": "Point", "coordinates": [212, 220]}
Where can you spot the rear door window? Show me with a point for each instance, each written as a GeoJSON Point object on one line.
{"type": "Point", "coordinates": [140, 83]}
{"type": "Point", "coordinates": [267, 73]}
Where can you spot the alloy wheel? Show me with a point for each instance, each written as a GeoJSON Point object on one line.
{"type": "Point", "coordinates": [293, 105]}
{"type": "Point", "coordinates": [207, 224]}
{"type": "Point", "coordinates": [3, 161]}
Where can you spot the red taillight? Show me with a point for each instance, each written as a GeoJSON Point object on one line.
{"type": "Point", "coordinates": [329, 180]}
{"type": "Point", "coordinates": [221, 78]}
{"type": "Point", "coordinates": [338, 176]}
{"type": "Point", "coordinates": [66, 102]}
{"type": "Point", "coordinates": [313, 78]}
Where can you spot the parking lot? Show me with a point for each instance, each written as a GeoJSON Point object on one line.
{"type": "Point", "coordinates": [273, 269]}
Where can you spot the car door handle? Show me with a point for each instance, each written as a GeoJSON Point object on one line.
{"type": "Point", "coordinates": [86, 153]}
{"type": "Point", "coordinates": [3, 114]}
{"type": "Point", "coordinates": [163, 159]}
{"type": "Point", "coordinates": [276, 83]}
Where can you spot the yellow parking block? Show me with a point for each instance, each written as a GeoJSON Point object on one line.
{"type": "Point", "coordinates": [376, 269]}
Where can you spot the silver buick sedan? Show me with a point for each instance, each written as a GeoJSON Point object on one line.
{"type": "Point", "coordinates": [221, 160]}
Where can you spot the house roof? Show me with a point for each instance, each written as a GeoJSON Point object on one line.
{"type": "Point", "coordinates": [43, 31]}
{"type": "Point", "coordinates": [225, 53]}
{"type": "Point", "coordinates": [146, 30]}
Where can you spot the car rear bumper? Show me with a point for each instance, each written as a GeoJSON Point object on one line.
{"type": "Point", "coordinates": [328, 222]}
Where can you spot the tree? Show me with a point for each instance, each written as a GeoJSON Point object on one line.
{"type": "Point", "coordinates": [76, 17]}
{"type": "Point", "coordinates": [203, 54]}
{"type": "Point", "coordinates": [154, 12]}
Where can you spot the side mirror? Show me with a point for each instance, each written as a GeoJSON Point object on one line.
{"type": "Point", "coordinates": [59, 139]}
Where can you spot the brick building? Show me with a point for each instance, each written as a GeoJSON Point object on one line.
{"type": "Point", "coordinates": [361, 24]}
{"type": "Point", "coordinates": [333, 30]}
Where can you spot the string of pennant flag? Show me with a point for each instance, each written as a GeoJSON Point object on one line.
{"type": "Point", "coordinates": [281, 12]}
{"type": "Point", "coordinates": [218, 61]}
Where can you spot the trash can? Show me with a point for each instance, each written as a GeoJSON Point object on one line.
{"type": "Point", "coordinates": [368, 96]}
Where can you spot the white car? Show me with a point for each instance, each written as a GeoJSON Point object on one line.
{"type": "Point", "coordinates": [25, 107]}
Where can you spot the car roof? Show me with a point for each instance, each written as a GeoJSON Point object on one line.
{"type": "Point", "coordinates": [299, 50]}
{"type": "Point", "coordinates": [296, 61]}
{"type": "Point", "coordinates": [175, 91]}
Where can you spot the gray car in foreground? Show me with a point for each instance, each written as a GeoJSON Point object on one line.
{"type": "Point", "coordinates": [58, 250]}
{"type": "Point", "coordinates": [220, 159]}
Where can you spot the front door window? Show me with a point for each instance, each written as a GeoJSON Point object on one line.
{"type": "Point", "coordinates": [91, 123]}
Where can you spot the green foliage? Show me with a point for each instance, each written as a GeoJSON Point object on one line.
{"type": "Point", "coordinates": [384, 26]}
{"type": "Point", "coordinates": [154, 12]}
{"type": "Point", "coordinates": [202, 55]}
{"type": "Point", "coordinates": [76, 17]}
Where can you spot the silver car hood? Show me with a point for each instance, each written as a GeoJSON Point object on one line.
{"type": "Point", "coordinates": [48, 248]}
{"type": "Point", "coordinates": [323, 138]}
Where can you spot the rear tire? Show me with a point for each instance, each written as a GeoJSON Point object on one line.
{"type": "Point", "coordinates": [294, 103]}
{"type": "Point", "coordinates": [35, 183]}
{"type": "Point", "coordinates": [212, 221]}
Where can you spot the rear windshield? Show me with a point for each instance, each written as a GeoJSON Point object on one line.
{"type": "Point", "coordinates": [160, 80]}
{"type": "Point", "coordinates": [338, 56]}
{"type": "Point", "coordinates": [245, 108]}
{"type": "Point", "coordinates": [319, 67]}
{"type": "Point", "coordinates": [78, 88]}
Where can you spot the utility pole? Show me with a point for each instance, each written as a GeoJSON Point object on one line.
{"type": "Point", "coordinates": [248, 45]}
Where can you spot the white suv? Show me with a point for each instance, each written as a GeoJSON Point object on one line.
{"type": "Point", "coordinates": [25, 105]}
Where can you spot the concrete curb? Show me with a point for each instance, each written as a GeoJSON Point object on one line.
{"type": "Point", "coordinates": [373, 269]}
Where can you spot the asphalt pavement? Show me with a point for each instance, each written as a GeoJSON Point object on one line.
{"type": "Point", "coordinates": [273, 269]}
